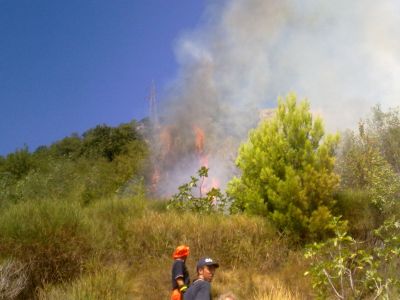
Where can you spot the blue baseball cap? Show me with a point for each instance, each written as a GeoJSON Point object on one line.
{"type": "Point", "coordinates": [206, 261]}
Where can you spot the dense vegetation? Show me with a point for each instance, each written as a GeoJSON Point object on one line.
{"type": "Point", "coordinates": [76, 221]}
{"type": "Point", "coordinates": [287, 172]}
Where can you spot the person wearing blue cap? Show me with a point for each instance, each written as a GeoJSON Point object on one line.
{"type": "Point", "coordinates": [201, 287]}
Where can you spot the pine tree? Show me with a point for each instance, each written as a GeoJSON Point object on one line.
{"type": "Point", "coordinates": [287, 171]}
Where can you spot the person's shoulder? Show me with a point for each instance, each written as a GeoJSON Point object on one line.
{"type": "Point", "coordinates": [201, 284]}
{"type": "Point", "coordinates": [206, 284]}
{"type": "Point", "coordinates": [178, 262]}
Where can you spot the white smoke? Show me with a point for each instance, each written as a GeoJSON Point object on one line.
{"type": "Point", "coordinates": [343, 56]}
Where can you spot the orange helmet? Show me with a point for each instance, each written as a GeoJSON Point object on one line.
{"type": "Point", "coordinates": [181, 251]}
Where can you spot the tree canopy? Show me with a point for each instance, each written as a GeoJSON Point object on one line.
{"type": "Point", "coordinates": [287, 171]}
{"type": "Point", "coordinates": [103, 161]}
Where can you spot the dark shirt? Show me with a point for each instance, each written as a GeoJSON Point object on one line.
{"type": "Point", "coordinates": [199, 290]}
{"type": "Point", "coordinates": [179, 270]}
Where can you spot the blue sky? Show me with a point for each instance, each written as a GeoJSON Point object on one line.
{"type": "Point", "coordinates": [67, 66]}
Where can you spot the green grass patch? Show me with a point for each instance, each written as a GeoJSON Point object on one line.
{"type": "Point", "coordinates": [51, 237]}
{"type": "Point", "coordinates": [106, 283]}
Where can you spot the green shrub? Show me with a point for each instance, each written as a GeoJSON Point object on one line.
{"type": "Point", "coordinates": [191, 196]}
{"type": "Point", "coordinates": [349, 269]}
{"type": "Point", "coordinates": [287, 172]}
{"type": "Point", "coordinates": [104, 179]}
{"type": "Point", "coordinates": [356, 207]}
{"type": "Point", "coordinates": [362, 166]}
{"type": "Point", "coordinates": [7, 191]}
{"type": "Point", "coordinates": [108, 218]}
{"type": "Point", "coordinates": [156, 205]}
{"type": "Point", "coordinates": [60, 180]}
{"type": "Point", "coordinates": [18, 163]}
{"type": "Point", "coordinates": [51, 237]}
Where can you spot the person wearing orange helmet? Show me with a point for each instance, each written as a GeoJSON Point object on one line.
{"type": "Point", "coordinates": [180, 274]}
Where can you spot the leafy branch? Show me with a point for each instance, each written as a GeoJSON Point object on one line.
{"type": "Point", "coordinates": [191, 196]}
{"type": "Point", "coordinates": [348, 269]}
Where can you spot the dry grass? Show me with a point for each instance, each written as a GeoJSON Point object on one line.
{"type": "Point", "coordinates": [234, 240]}
{"type": "Point", "coordinates": [51, 237]}
{"type": "Point", "coordinates": [248, 249]}
{"type": "Point", "coordinates": [106, 283]}
{"type": "Point", "coordinates": [13, 279]}
{"type": "Point", "coordinates": [132, 249]}
{"type": "Point", "coordinates": [248, 283]}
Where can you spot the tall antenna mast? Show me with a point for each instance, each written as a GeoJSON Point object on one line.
{"type": "Point", "coordinates": [153, 106]}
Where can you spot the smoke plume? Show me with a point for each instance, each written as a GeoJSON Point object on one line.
{"type": "Point", "coordinates": [343, 56]}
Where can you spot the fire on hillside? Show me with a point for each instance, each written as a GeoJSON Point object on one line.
{"type": "Point", "coordinates": [173, 153]}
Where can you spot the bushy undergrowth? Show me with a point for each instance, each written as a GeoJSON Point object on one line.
{"type": "Point", "coordinates": [234, 239]}
{"type": "Point", "coordinates": [50, 237]}
{"type": "Point", "coordinates": [108, 218]}
{"type": "Point", "coordinates": [106, 283]}
{"type": "Point", "coordinates": [349, 269]}
{"type": "Point", "coordinates": [119, 246]}
{"type": "Point", "coordinates": [362, 215]}
{"type": "Point", "coordinates": [192, 196]}
{"type": "Point", "coordinates": [246, 247]}
{"type": "Point", "coordinates": [133, 246]}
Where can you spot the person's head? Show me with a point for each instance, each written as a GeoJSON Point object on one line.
{"type": "Point", "coordinates": [181, 252]}
{"type": "Point", "coordinates": [206, 268]}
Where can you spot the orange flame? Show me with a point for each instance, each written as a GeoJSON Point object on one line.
{"type": "Point", "coordinates": [215, 183]}
{"type": "Point", "coordinates": [208, 183]}
{"type": "Point", "coordinates": [199, 141]}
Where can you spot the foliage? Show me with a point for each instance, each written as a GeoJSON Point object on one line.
{"type": "Point", "coordinates": [7, 190]}
{"type": "Point", "coordinates": [287, 171]}
{"type": "Point", "coordinates": [108, 219]}
{"type": "Point", "coordinates": [362, 166]}
{"type": "Point", "coordinates": [363, 216]}
{"type": "Point", "coordinates": [348, 269]}
{"type": "Point", "coordinates": [370, 189]}
{"type": "Point", "coordinates": [188, 200]}
{"type": "Point", "coordinates": [2, 161]}
{"type": "Point", "coordinates": [74, 169]}
{"type": "Point", "coordinates": [108, 142]}
{"type": "Point", "coordinates": [385, 126]}
{"type": "Point", "coordinates": [68, 147]}
{"type": "Point", "coordinates": [107, 283]}
{"type": "Point", "coordinates": [17, 164]}
{"type": "Point", "coordinates": [104, 178]}
{"type": "Point", "coordinates": [136, 244]}
{"type": "Point", "coordinates": [385, 276]}
{"type": "Point", "coordinates": [59, 181]}
{"type": "Point", "coordinates": [51, 237]}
